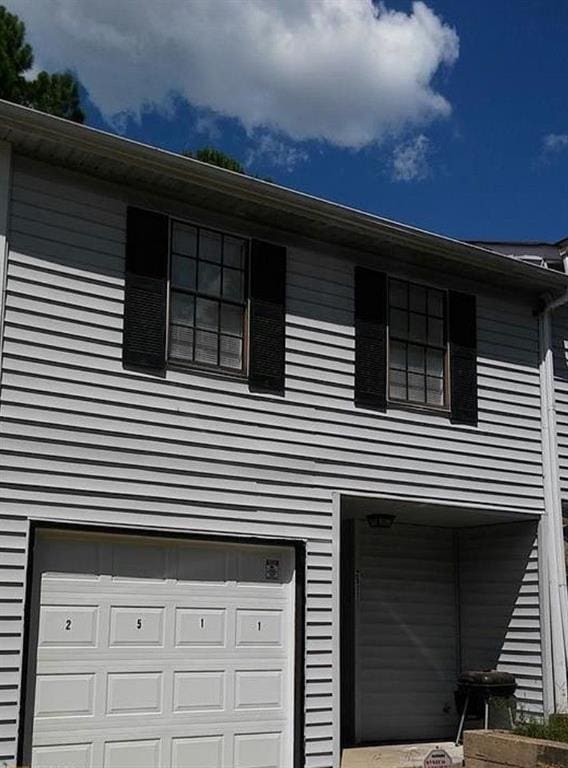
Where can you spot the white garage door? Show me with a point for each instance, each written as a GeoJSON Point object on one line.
{"type": "Point", "coordinates": [159, 653]}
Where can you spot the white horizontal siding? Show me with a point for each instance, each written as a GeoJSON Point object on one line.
{"type": "Point", "coordinates": [500, 617]}
{"type": "Point", "coordinates": [13, 564]}
{"type": "Point", "coordinates": [84, 440]}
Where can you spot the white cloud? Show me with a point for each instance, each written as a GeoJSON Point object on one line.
{"type": "Point", "coordinates": [276, 152]}
{"type": "Point", "coordinates": [410, 159]}
{"type": "Point", "coordinates": [555, 142]}
{"type": "Point", "coordinates": [346, 71]}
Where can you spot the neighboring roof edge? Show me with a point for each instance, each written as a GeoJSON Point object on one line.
{"type": "Point", "coordinates": [65, 133]}
{"type": "Point", "coordinates": [515, 242]}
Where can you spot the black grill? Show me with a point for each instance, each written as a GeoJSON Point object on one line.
{"type": "Point", "coordinates": [476, 689]}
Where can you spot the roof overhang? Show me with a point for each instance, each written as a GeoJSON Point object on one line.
{"type": "Point", "coordinates": [117, 159]}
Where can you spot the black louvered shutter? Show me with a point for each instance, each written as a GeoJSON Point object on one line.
{"type": "Point", "coordinates": [267, 317]}
{"type": "Point", "coordinates": [462, 318]}
{"type": "Point", "coordinates": [370, 339]}
{"type": "Point", "coordinates": [145, 298]}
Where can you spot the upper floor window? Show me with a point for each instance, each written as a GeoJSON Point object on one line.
{"type": "Point", "coordinates": [417, 344]}
{"type": "Point", "coordinates": [207, 297]}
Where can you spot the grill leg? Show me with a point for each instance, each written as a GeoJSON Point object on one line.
{"type": "Point", "coordinates": [462, 721]}
{"type": "Point", "coordinates": [486, 713]}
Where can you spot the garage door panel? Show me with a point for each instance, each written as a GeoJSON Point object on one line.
{"type": "Point", "coordinates": [259, 627]}
{"type": "Point", "coordinates": [140, 564]}
{"type": "Point", "coordinates": [205, 565]}
{"type": "Point", "coordinates": [80, 561]}
{"type": "Point", "coordinates": [134, 692]}
{"type": "Point", "coordinates": [136, 625]}
{"type": "Point", "coordinates": [145, 753]}
{"type": "Point", "coordinates": [266, 568]}
{"type": "Point", "coordinates": [258, 750]}
{"type": "Point", "coordinates": [63, 756]}
{"type": "Point", "coordinates": [68, 626]}
{"type": "Point", "coordinates": [64, 695]}
{"type": "Point", "coordinates": [200, 626]}
{"type": "Point", "coordinates": [258, 689]}
{"type": "Point", "coordinates": [154, 669]}
{"type": "Point", "coordinates": [203, 751]}
{"type": "Point", "coordinates": [199, 690]}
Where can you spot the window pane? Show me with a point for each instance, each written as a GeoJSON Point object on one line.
{"type": "Point", "coordinates": [209, 280]}
{"type": "Point", "coordinates": [436, 303]}
{"type": "Point", "coordinates": [233, 284]}
{"type": "Point", "coordinates": [416, 327]}
{"type": "Point", "coordinates": [232, 319]}
{"type": "Point", "coordinates": [182, 308]}
{"type": "Point", "coordinates": [207, 314]}
{"type": "Point", "coordinates": [183, 272]}
{"type": "Point", "coordinates": [206, 346]}
{"type": "Point", "coordinates": [184, 239]}
{"type": "Point", "coordinates": [435, 363]}
{"type": "Point", "coordinates": [416, 359]}
{"type": "Point", "coordinates": [210, 245]}
{"type": "Point", "coordinates": [398, 294]}
{"type": "Point", "coordinates": [435, 391]}
{"type": "Point", "coordinates": [231, 352]}
{"type": "Point", "coordinates": [435, 331]}
{"type": "Point", "coordinates": [417, 298]}
{"type": "Point", "coordinates": [397, 385]}
{"type": "Point", "coordinates": [233, 252]}
{"type": "Point", "coordinates": [181, 342]}
{"type": "Point", "coordinates": [397, 357]}
{"type": "Point", "coordinates": [416, 389]}
{"type": "Point", "coordinates": [398, 323]}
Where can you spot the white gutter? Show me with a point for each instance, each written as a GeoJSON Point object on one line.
{"type": "Point", "coordinates": [554, 592]}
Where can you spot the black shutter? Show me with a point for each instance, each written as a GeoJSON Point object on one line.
{"type": "Point", "coordinates": [370, 338]}
{"type": "Point", "coordinates": [267, 317]}
{"type": "Point", "coordinates": [145, 299]}
{"type": "Point", "coordinates": [463, 358]}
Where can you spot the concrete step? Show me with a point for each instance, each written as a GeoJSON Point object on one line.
{"type": "Point", "coordinates": [397, 755]}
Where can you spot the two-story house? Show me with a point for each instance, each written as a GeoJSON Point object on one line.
{"type": "Point", "coordinates": [274, 471]}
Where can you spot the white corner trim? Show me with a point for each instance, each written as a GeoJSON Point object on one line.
{"type": "Point", "coordinates": [551, 556]}
{"type": "Point", "coordinates": [5, 195]}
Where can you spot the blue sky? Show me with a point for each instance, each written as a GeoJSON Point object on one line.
{"type": "Point", "coordinates": [486, 157]}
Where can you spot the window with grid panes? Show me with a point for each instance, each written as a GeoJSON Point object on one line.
{"type": "Point", "coordinates": [207, 297]}
{"type": "Point", "coordinates": [417, 344]}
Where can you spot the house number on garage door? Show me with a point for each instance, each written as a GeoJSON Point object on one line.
{"type": "Point", "coordinates": [69, 624]}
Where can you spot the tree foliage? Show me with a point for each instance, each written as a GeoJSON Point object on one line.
{"type": "Point", "coordinates": [222, 159]}
{"type": "Point", "coordinates": [216, 157]}
{"type": "Point", "coordinates": [56, 93]}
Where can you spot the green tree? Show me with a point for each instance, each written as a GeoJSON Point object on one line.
{"type": "Point", "coordinates": [222, 159]}
{"type": "Point", "coordinates": [216, 157]}
{"type": "Point", "coordinates": [56, 93]}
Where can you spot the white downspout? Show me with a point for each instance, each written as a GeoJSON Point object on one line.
{"type": "Point", "coordinates": [552, 544]}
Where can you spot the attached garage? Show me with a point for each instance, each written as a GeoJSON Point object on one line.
{"type": "Point", "coordinates": [154, 652]}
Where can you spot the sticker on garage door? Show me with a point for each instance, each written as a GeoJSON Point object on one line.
{"type": "Point", "coordinates": [272, 570]}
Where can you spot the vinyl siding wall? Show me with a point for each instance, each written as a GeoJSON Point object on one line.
{"type": "Point", "coordinates": [560, 340]}
{"type": "Point", "coordinates": [85, 441]}
{"type": "Point", "coordinates": [499, 606]}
